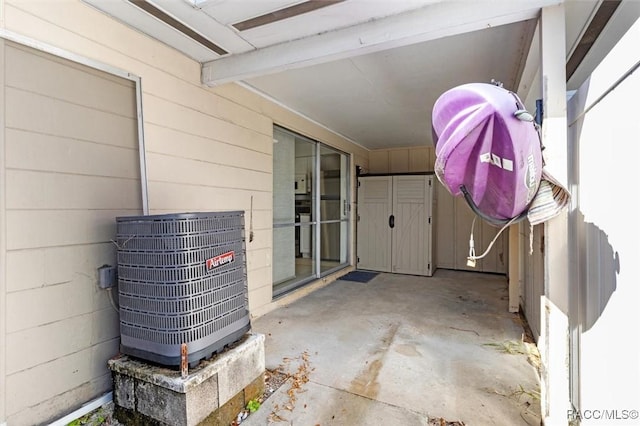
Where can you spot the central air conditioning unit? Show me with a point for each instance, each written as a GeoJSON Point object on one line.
{"type": "Point", "coordinates": [182, 279]}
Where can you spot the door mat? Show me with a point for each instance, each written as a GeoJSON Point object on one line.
{"type": "Point", "coordinates": [359, 276]}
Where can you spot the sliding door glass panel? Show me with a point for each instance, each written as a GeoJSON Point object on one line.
{"type": "Point", "coordinates": [305, 202]}
{"type": "Point", "coordinates": [302, 270]}
{"type": "Point", "coordinates": [283, 207]}
{"type": "Point", "coordinates": [333, 208]}
{"type": "Point", "coordinates": [293, 211]}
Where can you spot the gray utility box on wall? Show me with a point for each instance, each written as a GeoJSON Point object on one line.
{"type": "Point", "coordinates": [182, 278]}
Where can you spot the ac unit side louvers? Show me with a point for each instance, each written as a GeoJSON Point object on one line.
{"type": "Point", "coordinates": [182, 279]}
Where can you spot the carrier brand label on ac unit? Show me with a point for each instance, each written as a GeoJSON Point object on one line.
{"type": "Point", "coordinates": [221, 259]}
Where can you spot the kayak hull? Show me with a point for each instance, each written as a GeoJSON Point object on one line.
{"type": "Point", "coordinates": [483, 148]}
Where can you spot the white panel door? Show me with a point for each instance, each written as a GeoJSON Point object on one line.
{"type": "Point", "coordinates": [412, 225]}
{"type": "Point", "coordinates": [374, 233]}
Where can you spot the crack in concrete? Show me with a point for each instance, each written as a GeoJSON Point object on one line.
{"type": "Point", "coordinates": [376, 401]}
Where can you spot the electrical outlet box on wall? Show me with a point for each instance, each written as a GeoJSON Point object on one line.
{"type": "Point", "coordinates": [106, 276]}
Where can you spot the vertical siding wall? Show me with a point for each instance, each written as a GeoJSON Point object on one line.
{"type": "Point", "coordinates": [207, 149]}
{"type": "Point", "coordinates": [453, 222]}
{"type": "Point", "coordinates": [3, 252]}
{"type": "Point", "coordinates": [532, 270]}
{"type": "Point", "coordinates": [402, 160]}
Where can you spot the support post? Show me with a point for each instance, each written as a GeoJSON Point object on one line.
{"type": "Point", "coordinates": [554, 341]}
{"type": "Point", "coordinates": [3, 251]}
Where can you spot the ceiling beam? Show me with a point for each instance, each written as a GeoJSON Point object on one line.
{"type": "Point", "coordinates": [284, 13]}
{"type": "Point", "coordinates": [438, 20]}
{"type": "Point", "coordinates": [624, 17]}
{"type": "Point", "coordinates": [591, 34]}
{"type": "Point", "coordinates": [529, 76]}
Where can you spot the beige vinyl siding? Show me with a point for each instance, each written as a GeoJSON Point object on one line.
{"type": "Point", "coordinates": [399, 160]}
{"type": "Point", "coordinates": [82, 373]}
{"type": "Point", "coordinates": [178, 111]}
{"type": "Point", "coordinates": [71, 166]}
{"type": "Point", "coordinates": [378, 161]}
{"type": "Point", "coordinates": [204, 152]}
{"type": "Point", "coordinates": [402, 160]}
{"type": "Point", "coordinates": [294, 122]}
{"type": "Point", "coordinates": [3, 251]}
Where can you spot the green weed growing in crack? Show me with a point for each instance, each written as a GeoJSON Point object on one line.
{"type": "Point", "coordinates": [508, 347]}
{"type": "Point", "coordinates": [512, 347]}
{"type": "Point", "coordinates": [518, 394]}
{"type": "Point", "coordinates": [521, 391]}
{"type": "Point", "coordinates": [253, 405]}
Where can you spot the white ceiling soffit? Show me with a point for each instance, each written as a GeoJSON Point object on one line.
{"type": "Point", "coordinates": [126, 12]}
{"type": "Point", "coordinates": [207, 25]}
{"type": "Point", "coordinates": [220, 22]}
{"type": "Point", "coordinates": [431, 22]}
{"type": "Point", "coordinates": [230, 11]}
{"type": "Point", "coordinates": [385, 98]}
{"type": "Point", "coordinates": [331, 17]}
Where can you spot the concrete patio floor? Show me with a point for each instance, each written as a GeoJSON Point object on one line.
{"type": "Point", "coordinates": [401, 350]}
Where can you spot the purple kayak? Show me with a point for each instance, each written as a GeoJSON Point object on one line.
{"type": "Point", "coordinates": [487, 149]}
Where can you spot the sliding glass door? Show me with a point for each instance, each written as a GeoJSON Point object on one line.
{"type": "Point", "coordinates": [310, 210]}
